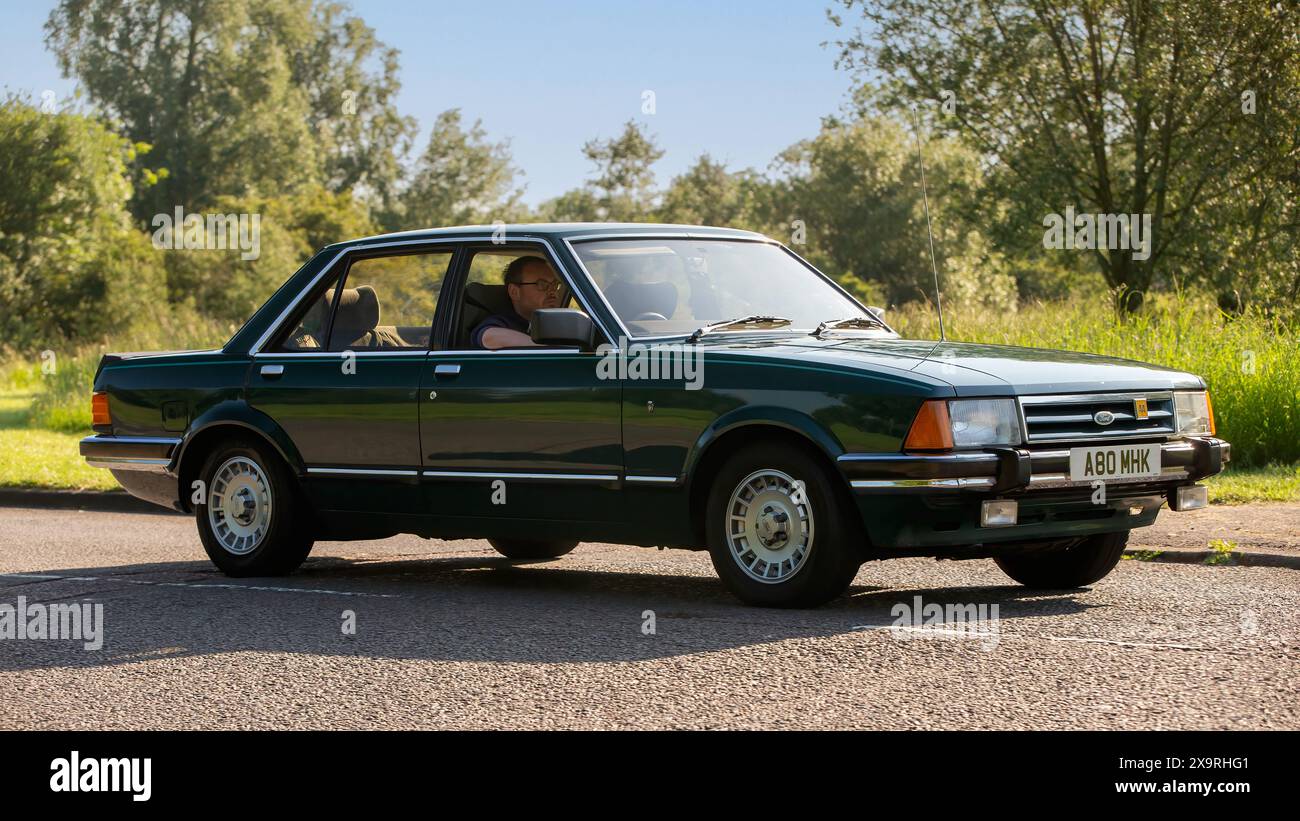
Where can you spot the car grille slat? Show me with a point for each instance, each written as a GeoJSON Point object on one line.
{"type": "Point", "coordinates": [1063, 418]}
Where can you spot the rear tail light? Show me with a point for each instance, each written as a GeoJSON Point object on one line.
{"type": "Point", "coordinates": [99, 416]}
{"type": "Point", "coordinates": [932, 427]}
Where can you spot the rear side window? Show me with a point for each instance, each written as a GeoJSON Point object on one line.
{"type": "Point", "coordinates": [388, 302]}
{"type": "Point", "coordinates": [310, 331]}
{"type": "Point", "coordinates": [377, 303]}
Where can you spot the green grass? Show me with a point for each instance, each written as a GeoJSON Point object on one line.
{"type": "Point", "coordinates": [1275, 483]}
{"type": "Point", "coordinates": [47, 459]}
{"type": "Point", "coordinates": [32, 457]}
{"type": "Point", "coordinates": [1251, 362]}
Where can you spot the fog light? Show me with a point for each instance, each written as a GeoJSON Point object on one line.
{"type": "Point", "coordinates": [1192, 497]}
{"type": "Point", "coordinates": [998, 513]}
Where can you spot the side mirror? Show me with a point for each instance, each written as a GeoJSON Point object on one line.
{"type": "Point", "coordinates": [563, 326]}
{"type": "Point", "coordinates": [878, 313]}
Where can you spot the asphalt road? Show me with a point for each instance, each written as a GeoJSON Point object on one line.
{"type": "Point", "coordinates": [449, 635]}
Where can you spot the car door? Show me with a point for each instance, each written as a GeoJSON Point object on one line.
{"type": "Point", "coordinates": [343, 378]}
{"type": "Point", "coordinates": [527, 433]}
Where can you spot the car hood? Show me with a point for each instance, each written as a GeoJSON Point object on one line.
{"type": "Point", "coordinates": [978, 369]}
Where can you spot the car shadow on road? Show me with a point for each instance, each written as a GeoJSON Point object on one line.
{"type": "Point", "coordinates": [455, 609]}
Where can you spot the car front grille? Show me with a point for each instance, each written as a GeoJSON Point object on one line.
{"type": "Point", "coordinates": [1080, 417]}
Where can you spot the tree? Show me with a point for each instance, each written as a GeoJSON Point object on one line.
{"type": "Point", "coordinates": [853, 195]}
{"type": "Point", "coordinates": [623, 189]}
{"type": "Point", "coordinates": [461, 178]}
{"type": "Point", "coordinates": [70, 261]}
{"type": "Point", "coordinates": [221, 283]}
{"type": "Point", "coordinates": [708, 194]}
{"type": "Point", "coordinates": [1185, 111]}
{"type": "Point", "coordinates": [237, 95]}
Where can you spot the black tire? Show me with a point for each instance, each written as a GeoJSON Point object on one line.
{"type": "Point", "coordinates": [531, 548]}
{"type": "Point", "coordinates": [273, 546]}
{"type": "Point", "coordinates": [824, 527]}
{"type": "Point", "coordinates": [1081, 564]}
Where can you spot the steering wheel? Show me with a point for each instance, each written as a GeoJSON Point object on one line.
{"type": "Point", "coordinates": [651, 315]}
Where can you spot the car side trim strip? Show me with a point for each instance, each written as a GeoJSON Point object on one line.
{"type": "Point", "coordinates": [661, 481]}
{"type": "Point", "coordinates": [562, 477]}
{"type": "Point", "coordinates": [361, 472]}
{"type": "Point", "coordinates": [934, 484]}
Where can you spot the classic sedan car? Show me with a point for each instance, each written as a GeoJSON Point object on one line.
{"type": "Point", "coordinates": [692, 387]}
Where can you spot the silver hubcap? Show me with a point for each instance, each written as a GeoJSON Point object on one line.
{"type": "Point", "coordinates": [239, 505]}
{"type": "Point", "coordinates": [769, 526]}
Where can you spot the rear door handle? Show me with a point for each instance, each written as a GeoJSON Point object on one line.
{"type": "Point", "coordinates": [272, 371]}
{"type": "Point", "coordinates": [446, 370]}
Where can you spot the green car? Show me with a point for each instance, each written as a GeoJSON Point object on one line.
{"type": "Point", "coordinates": [676, 386]}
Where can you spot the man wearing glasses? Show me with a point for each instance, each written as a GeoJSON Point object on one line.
{"type": "Point", "coordinates": [531, 284]}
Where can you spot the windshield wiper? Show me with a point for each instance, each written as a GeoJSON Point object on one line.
{"type": "Point", "coordinates": [861, 321]}
{"type": "Point", "coordinates": [744, 320]}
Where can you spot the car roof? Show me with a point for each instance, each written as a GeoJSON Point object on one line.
{"type": "Point", "coordinates": [557, 230]}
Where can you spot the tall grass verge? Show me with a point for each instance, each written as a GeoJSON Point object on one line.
{"type": "Point", "coordinates": [1250, 362]}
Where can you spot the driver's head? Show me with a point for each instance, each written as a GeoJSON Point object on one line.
{"type": "Point", "coordinates": [532, 284]}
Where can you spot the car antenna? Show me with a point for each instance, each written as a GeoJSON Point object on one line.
{"type": "Point", "coordinates": [938, 300]}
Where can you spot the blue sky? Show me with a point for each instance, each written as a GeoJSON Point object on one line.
{"type": "Point", "coordinates": [740, 80]}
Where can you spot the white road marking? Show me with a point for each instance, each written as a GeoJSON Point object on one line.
{"type": "Point", "coordinates": [1154, 645]}
{"type": "Point", "coordinates": [204, 585]}
{"type": "Point", "coordinates": [1008, 635]}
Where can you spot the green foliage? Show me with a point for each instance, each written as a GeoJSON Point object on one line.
{"type": "Point", "coordinates": [237, 96]}
{"type": "Point", "coordinates": [856, 190]}
{"type": "Point", "coordinates": [222, 285]}
{"type": "Point", "coordinates": [62, 393]}
{"type": "Point", "coordinates": [623, 189]}
{"type": "Point", "coordinates": [461, 179]}
{"type": "Point", "coordinates": [1223, 549]}
{"type": "Point", "coordinates": [708, 194]}
{"type": "Point", "coordinates": [1249, 361]}
{"type": "Point", "coordinates": [1185, 111]}
{"type": "Point", "coordinates": [1273, 483]}
{"type": "Point", "coordinates": [70, 261]}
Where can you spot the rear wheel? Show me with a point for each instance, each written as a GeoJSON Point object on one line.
{"type": "Point", "coordinates": [252, 519]}
{"type": "Point", "coordinates": [779, 532]}
{"type": "Point", "coordinates": [531, 548]}
{"type": "Point", "coordinates": [1086, 561]}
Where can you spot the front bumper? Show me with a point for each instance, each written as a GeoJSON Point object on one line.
{"type": "Point", "coordinates": [930, 500]}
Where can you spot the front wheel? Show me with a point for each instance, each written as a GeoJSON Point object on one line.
{"type": "Point", "coordinates": [779, 531]}
{"type": "Point", "coordinates": [251, 522]}
{"type": "Point", "coordinates": [531, 548]}
{"type": "Point", "coordinates": [1079, 565]}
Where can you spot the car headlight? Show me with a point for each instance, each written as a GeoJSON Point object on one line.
{"type": "Point", "coordinates": [1193, 413]}
{"type": "Point", "coordinates": [942, 424]}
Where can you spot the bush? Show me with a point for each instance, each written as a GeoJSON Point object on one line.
{"type": "Point", "coordinates": [63, 399]}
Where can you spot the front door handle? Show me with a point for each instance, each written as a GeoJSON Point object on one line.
{"type": "Point", "coordinates": [446, 370]}
{"type": "Point", "coordinates": [272, 371]}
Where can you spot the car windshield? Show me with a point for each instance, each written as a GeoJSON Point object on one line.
{"type": "Point", "coordinates": [662, 287]}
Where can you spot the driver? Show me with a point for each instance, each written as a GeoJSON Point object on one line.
{"type": "Point", "coordinates": [531, 283]}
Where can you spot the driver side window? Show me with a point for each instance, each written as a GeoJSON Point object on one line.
{"type": "Point", "coordinates": [486, 294]}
